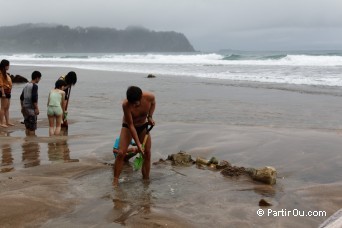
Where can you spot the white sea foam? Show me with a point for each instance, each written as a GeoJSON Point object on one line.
{"type": "Point", "coordinates": [209, 59]}
{"type": "Point", "coordinates": [291, 69]}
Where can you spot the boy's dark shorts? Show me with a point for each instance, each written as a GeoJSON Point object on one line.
{"type": "Point", "coordinates": [30, 123]}
{"type": "Point", "coordinates": [30, 119]}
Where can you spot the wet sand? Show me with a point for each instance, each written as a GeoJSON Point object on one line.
{"type": "Point", "coordinates": [66, 180]}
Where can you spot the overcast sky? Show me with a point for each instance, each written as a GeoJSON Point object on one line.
{"type": "Point", "coordinates": [208, 24]}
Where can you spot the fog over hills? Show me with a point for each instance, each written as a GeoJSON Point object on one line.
{"type": "Point", "coordinates": [59, 38]}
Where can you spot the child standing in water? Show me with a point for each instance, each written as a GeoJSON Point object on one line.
{"type": "Point", "coordinates": [70, 80]}
{"type": "Point", "coordinates": [5, 93]}
{"type": "Point", "coordinates": [56, 107]}
{"type": "Point", "coordinates": [29, 103]}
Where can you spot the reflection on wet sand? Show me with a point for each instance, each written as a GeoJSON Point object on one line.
{"type": "Point", "coordinates": [31, 151]}
{"type": "Point", "coordinates": [32, 147]}
{"type": "Point", "coordinates": [6, 159]}
{"type": "Point", "coordinates": [59, 149]}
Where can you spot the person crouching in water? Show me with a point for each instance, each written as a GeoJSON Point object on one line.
{"type": "Point", "coordinates": [56, 107]}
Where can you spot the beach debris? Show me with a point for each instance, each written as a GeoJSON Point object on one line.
{"type": "Point", "coordinates": [223, 164]}
{"type": "Point", "coordinates": [202, 161]}
{"type": "Point", "coordinates": [181, 158]}
{"type": "Point", "coordinates": [151, 76]}
{"type": "Point", "coordinates": [212, 166]}
{"type": "Point", "coordinates": [266, 175]}
{"type": "Point", "coordinates": [264, 203]}
{"type": "Point", "coordinates": [213, 160]}
{"type": "Point", "coordinates": [233, 171]}
{"type": "Point", "coordinates": [211, 163]}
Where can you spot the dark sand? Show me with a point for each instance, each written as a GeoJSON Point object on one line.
{"type": "Point", "coordinates": [66, 181]}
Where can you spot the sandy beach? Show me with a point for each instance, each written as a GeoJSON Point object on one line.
{"type": "Point", "coordinates": [66, 181]}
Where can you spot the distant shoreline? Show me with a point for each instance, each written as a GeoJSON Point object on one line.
{"type": "Point", "coordinates": [61, 38]}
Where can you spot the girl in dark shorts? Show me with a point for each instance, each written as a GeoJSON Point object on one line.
{"type": "Point", "coordinates": [5, 93]}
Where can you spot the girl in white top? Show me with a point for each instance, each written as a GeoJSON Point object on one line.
{"type": "Point", "coordinates": [56, 107]}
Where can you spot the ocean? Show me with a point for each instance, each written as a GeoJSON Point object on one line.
{"type": "Point", "coordinates": [320, 68]}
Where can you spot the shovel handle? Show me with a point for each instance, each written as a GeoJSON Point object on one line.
{"type": "Point", "coordinates": [146, 136]}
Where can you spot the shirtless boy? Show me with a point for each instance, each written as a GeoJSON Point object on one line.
{"type": "Point", "coordinates": [138, 110]}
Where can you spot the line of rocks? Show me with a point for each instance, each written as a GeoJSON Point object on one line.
{"type": "Point", "coordinates": [267, 174]}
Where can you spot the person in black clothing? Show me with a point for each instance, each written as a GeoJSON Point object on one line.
{"type": "Point", "coordinates": [70, 80]}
